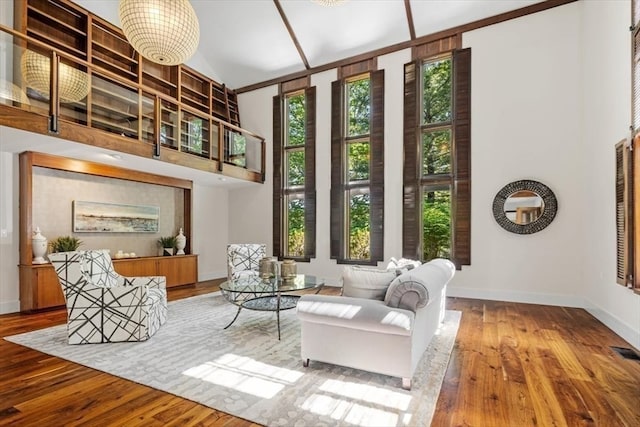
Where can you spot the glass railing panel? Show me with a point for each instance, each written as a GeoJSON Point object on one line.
{"type": "Point", "coordinates": [73, 89]}
{"type": "Point", "coordinates": [243, 149]}
{"type": "Point", "coordinates": [215, 138]}
{"type": "Point", "coordinates": [114, 107]}
{"type": "Point", "coordinates": [195, 134]}
{"type": "Point", "coordinates": [169, 124]}
{"type": "Point", "coordinates": [148, 117]}
{"type": "Point", "coordinates": [13, 92]}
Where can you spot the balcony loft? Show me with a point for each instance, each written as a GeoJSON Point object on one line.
{"type": "Point", "coordinates": [171, 114]}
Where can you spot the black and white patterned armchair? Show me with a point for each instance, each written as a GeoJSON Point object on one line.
{"type": "Point", "coordinates": [243, 260]}
{"type": "Point", "coordinates": [103, 306]}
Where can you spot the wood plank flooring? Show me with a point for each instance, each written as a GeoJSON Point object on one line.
{"type": "Point", "coordinates": [512, 365]}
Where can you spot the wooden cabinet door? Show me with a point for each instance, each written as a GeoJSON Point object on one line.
{"type": "Point", "coordinates": [48, 289]}
{"type": "Point", "coordinates": [136, 267]}
{"type": "Point", "coordinates": [179, 269]}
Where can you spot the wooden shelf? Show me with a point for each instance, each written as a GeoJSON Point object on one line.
{"type": "Point", "coordinates": [53, 21]}
{"type": "Point", "coordinates": [46, 38]}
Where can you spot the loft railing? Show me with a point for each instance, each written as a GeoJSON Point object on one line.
{"type": "Point", "coordinates": [37, 78]}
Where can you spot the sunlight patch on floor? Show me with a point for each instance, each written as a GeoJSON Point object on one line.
{"type": "Point", "coordinates": [245, 375]}
{"type": "Point", "coordinates": [354, 404]}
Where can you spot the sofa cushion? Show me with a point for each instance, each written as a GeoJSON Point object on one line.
{"type": "Point", "coordinates": [355, 313]}
{"type": "Point", "coordinates": [364, 282]}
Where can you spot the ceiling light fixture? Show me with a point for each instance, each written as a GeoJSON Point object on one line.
{"type": "Point", "coordinates": [73, 84]}
{"type": "Point", "coordinates": [163, 31]}
{"type": "Point", "coordinates": [329, 3]}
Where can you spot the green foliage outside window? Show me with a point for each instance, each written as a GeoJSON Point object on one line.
{"type": "Point", "coordinates": [295, 106]}
{"type": "Point", "coordinates": [436, 100]}
{"type": "Point", "coordinates": [359, 107]}
{"type": "Point", "coordinates": [295, 168]}
{"type": "Point", "coordinates": [436, 152]}
{"type": "Point", "coordinates": [436, 225]}
{"type": "Point", "coordinates": [359, 226]}
{"type": "Point", "coordinates": [295, 226]}
{"type": "Point", "coordinates": [358, 159]}
{"type": "Point", "coordinates": [436, 158]}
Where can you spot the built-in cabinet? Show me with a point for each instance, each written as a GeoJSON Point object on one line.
{"type": "Point", "coordinates": [40, 288]}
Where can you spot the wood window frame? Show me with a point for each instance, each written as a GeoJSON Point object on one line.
{"type": "Point", "coordinates": [460, 179]}
{"type": "Point", "coordinates": [339, 186]}
{"type": "Point", "coordinates": [279, 205]}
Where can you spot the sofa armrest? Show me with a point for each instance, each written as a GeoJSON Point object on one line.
{"type": "Point", "coordinates": [418, 287]}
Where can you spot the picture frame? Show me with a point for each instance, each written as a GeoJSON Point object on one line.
{"type": "Point", "coordinates": [100, 217]}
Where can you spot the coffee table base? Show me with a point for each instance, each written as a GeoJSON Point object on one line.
{"type": "Point", "coordinates": [275, 303]}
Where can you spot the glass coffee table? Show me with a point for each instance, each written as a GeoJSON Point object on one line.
{"type": "Point", "coordinates": [255, 293]}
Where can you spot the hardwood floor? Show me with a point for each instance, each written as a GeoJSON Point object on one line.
{"type": "Point", "coordinates": [512, 365]}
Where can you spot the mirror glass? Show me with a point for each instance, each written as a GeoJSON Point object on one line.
{"type": "Point", "coordinates": [523, 207]}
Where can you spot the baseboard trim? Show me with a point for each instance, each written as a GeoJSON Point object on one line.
{"type": "Point", "coordinates": [211, 275]}
{"type": "Point", "coordinates": [517, 296]}
{"type": "Point", "coordinates": [9, 307]}
{"type": "Point", "coordinates": [615, 324]}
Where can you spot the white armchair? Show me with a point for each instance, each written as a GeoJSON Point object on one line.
{"type": "Point", "coordinates": [103, 306]}
{"type": "Point", "coordinates": [243, 260]}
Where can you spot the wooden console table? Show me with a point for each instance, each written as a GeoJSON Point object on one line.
{"type": "Point", "coordinates": [39, 286]}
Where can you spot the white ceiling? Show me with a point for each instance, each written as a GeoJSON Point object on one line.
{"type": "Point", "coordinates": [243, 42]}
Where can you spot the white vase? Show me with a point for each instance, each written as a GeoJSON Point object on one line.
{"type": "Point", "coordinates": [181, 242]}
{"type": "Point", "coordinates": [39, 247]}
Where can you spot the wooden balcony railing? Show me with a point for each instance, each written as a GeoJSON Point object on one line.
{"type": "Point", "coordinates": [47, 90]}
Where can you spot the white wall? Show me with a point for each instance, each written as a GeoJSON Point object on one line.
{"type": "Point", "coordinates": [9, 252]}
{"type": "Point", "coordinates": [526, 124]}
{"type": "Point", "coordinates": [607, 116]}
{"type": "Point", "coordinates": [210, 215]}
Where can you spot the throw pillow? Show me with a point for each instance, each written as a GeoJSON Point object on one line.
{"type": "Point", "coordinates": [363, 282]}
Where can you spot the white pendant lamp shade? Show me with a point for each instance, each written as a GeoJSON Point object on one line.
{"type": "Point", "coordinates": [163, 31]}
{"type": "Point", "coordinates": [73, 84]}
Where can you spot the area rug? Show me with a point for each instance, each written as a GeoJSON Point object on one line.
{"type": "Point", "coordinates": [245, 371]}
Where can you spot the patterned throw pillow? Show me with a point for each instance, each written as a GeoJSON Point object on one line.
{"type": "Point", "coordinates": [363, 282]}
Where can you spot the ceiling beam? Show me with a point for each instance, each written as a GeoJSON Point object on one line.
{"type": "Point", "coordinates": [292, 34]}
{"type": "Point", "coordinates": [534, 8]}
{"type": "Point", "coordinates": [412, 27]}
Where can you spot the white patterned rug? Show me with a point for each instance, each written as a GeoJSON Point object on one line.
{"type": "Point", "coordinates": [245, 371]}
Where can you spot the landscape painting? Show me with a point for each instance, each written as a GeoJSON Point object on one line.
{"type": "Point", "coordinates": [95, 217]}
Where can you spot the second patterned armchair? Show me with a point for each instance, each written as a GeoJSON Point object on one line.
{"type": "Point", "coordinates": [103, 306]}
{"type": "Point", "coordinates": [244, 259]}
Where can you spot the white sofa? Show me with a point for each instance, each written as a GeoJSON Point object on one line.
{"type": "Point", "coordinates": [387, 337]}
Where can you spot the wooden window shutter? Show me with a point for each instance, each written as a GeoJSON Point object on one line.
{"type": "Point", "coordinates": [310, 174]}
{"type": "Point", "coordinates": [623, 246]}
{"type": "Point", "coordinates": [337, 194]}
{"type": "Point", "coordinates": [377, 166]}
{"type": "Point", "coordinates": [278, 249]}
{"type": "Point", "coordinates": [411, 186]}
{"type": "Point", "coordinates": [462, 157]}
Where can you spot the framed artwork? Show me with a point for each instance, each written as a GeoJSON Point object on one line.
{"type": "Point", "coordinates": [96, 217]}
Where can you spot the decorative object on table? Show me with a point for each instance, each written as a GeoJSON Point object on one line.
{"type": "Point", "coordinates": [99, 217]}
{"type": "Point", "coordinates": [167, 243]}
{"type": "Point", "coordinates": [266, 267]}
{"type": "Point", "coordinates": [289, 269]}
{"type": "Point", "coordinates": [39, 245]}
{"type": "Point", "coordinates": [181, 242]}
{"type": "Point", "coordinates": [65, 244]}
{"type": "Point", "coordinates": [164, 32]}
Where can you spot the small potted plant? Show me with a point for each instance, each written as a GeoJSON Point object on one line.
{"type": "Point", "coordinates": [167, 244]}
{"type": "Point", "coordinates": [65, 244]}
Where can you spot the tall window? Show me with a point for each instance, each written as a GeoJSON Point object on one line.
{"type": "Point", "coordinates": [436, 214]}
{"type": "Point", "coordinates": [294, 174]}
{"type": "Point", "coordinates": [627, 171]}
{"type": "Point", "coordinates": [357, 184]}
